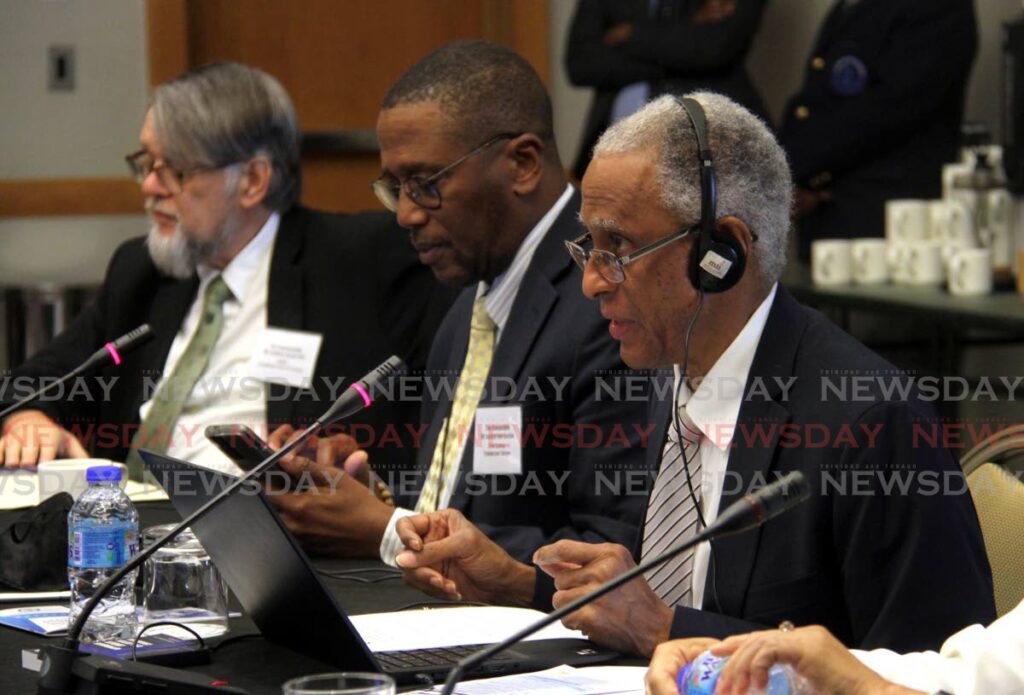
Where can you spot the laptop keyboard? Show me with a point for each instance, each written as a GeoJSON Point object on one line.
{"type": "Point", "coordinates": [429, 659]}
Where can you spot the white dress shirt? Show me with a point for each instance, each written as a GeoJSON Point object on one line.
{"type": "Point", "coordinates": [714, 408]}
{"type": "Point", "coordinates": [225, 393]}
{"type": "Point", "coordinates": [498, 299]}
{"type": "Point", "coordinates": [975, 660]}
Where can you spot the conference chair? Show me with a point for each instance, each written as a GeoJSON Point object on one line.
{"type": "Point", "coordinates": [994, 469]}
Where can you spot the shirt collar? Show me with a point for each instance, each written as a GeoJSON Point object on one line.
{"type": "Point", "coordinates": [243, 267]}
{"type": "Point", "coordinates": [715, 406]}
{"type": "Point", "coordinates": [502, 292]}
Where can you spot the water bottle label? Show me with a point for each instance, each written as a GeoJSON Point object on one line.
{"type": "Point", "coordinates": [700, 676]}
{"type": "Point", "coordinates": [102, 547]}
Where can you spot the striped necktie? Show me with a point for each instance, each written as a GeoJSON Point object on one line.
{"type": "Point", "coordinates": [157, 430]}
{"type": "Point", "coordinates": [475, 369]}
{"type": "Point", "coordinates": [672, 515]}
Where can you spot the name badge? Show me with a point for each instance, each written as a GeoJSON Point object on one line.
{"type": "Point", "coordinates": [285, 357]}
{"type": "Point", "coordinates": [496, 447]}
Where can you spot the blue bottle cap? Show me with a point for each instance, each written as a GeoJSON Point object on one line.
{"type": "Point", "coordinates": [103, 474]}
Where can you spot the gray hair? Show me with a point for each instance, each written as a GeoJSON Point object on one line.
{"type": "Point", "coordinates": [224, 113]}
{"type": "Point", "coordinates": [752, 177]}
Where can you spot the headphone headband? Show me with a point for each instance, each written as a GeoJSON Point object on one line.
{"type": "Point", "coordinates": [718, 260]}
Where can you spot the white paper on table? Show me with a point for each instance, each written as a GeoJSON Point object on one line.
{"type": "Point", "coordinates": [561, 680]}
{"type": "Point", "coordinates": [20, 489]}
{"type": "Point", "coordinates": [144, 492]}
{"type": "Point", "coordinates": [33, 596]}
{"type": "Point", "coordinates": [450, 627]}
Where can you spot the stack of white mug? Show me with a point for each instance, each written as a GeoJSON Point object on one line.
{"type": "Point", "coordinates": [927, 243]}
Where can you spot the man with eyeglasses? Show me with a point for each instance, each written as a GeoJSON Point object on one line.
{"type": "Point", "coordinates": [683, 253]}
{"type": "Point", "coordinates": [244, 288]}
{"type": "Point", "coordinates": [521, 435]}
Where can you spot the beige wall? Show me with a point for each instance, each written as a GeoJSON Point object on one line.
{"type": "Point", "coordinates": [80, 133]}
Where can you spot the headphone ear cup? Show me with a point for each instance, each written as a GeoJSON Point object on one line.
{"type": "Point", "coordinates": [725, 262]}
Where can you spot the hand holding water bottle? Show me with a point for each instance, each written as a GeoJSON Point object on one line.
{"type": "Point", "coordinates": [809, 658]}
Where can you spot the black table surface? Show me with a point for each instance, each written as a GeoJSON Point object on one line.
{"type": "Point", "coordinates": [253, 664]}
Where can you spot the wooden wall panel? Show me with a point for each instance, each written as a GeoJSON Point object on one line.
{"type": "Point", "coordinates": [336, 59]}
{"type": "Point", "coordinates": [41, 197]}
{"type": "Point", "coordinates": [167, 39]}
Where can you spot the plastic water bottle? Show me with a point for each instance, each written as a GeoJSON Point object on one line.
{"type": "Point", "coordinates": [700, 676]}
{"type": "Point", "coordinates": [103, 532]}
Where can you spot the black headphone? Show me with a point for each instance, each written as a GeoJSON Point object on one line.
{"type": "Point", "coordinates": [717, 261]}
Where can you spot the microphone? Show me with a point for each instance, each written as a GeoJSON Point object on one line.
{"type": "Point", "coordinates": [111, 352]}
{"type": "Point", "coordinates": [58, 671]}
{"type": "Point", "coordinates": [359, 394]}
{"type": "Point", "coordinates": [750, 511]}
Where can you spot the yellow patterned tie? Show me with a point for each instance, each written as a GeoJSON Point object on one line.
{"type": "Point", "coordinates": [482, 330]}
{"type": "Point", "coordinates": [157, 430]}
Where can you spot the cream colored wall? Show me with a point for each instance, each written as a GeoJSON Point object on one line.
{"type": "Point", "coordinates": [80, 133]}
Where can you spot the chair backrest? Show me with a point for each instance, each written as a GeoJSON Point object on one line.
{"type": "Point", "coordinates": [994, 471]}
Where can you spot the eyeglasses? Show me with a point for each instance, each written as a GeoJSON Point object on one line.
{"type": "Point", "coordinates": [611, 266]}
{"type": "Point", "coordinates": [422, 189]}
{"type": "Point", "coordinates": [142, 163]}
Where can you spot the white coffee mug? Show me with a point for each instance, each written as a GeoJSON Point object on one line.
{"type": "Point", "coordinates": [924, 264]}
{"type": "Point", "coordinates": [897, 259]}
{"type": "Point", "coordinates": [907, 220]}
{"type": "Point", "coordinates": [952, 223]}
{"type": "Point", "coordinates": [869, 261]}
{"type": "Point", "coordinates": [831, 263]}
{"type": "Point", "coordinates": [68, 475]}
{"type": "Point", "coordinates": [970, 272]}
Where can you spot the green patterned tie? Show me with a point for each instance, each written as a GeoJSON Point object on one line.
{"type": "Point", "coordinates": [475, 369]}
{"type": "Point", "coordinates": [156, 430]}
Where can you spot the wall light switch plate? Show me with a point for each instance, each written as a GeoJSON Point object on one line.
{"type": "Point", "coordinates": [61, 68]}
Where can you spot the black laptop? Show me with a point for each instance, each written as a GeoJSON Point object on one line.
{"type": "Point", "coordinates": [280, 590]}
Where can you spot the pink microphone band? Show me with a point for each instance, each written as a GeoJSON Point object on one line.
{"type": "Point", "coordinates": [113, 353]}
{"type": "Point", "coordinates": [362, 392]}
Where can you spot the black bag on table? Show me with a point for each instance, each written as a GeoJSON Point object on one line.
{"type": "Point", "coordinates": [34, 548]}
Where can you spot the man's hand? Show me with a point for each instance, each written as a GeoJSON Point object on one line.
{"type": "Point", "coordinates": [332, 513]}
{"type": "Point", "coordinates": [630, 619]}
{"type": "Point", "coordinates": [806, 201]}
{"type": "Point", "coordinates": [448, 557]}
{"type": "Point", "coordinates": [712, 11]}
{"type": "Point", "coordinates": [816, 655]}
{"type": "Point", "coordinates": [326, 451]}
{"type": "Point", "coordinates": [669, 659]}
{"type": "Point", "coordinates": [30, 437]}
{"type": "Point", "coordinates": [618, 34]}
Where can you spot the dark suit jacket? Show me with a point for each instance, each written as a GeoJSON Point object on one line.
{"type": "Point", "coordinates": [902, 571]}
{"type": "Point", "coordinates": [570, 439]}
{"type": "Point", "coordinates": [353, 278]}
{"type": "Point", "coordinates": [891, 139]}
{"type": "Point", "coordinates": [668, 50]}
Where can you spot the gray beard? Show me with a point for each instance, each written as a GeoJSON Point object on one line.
{"type": "Point", "coordinates": [178, 256]}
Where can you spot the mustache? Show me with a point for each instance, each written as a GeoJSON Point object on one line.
{"type": "Point", "coordinates": [151, 206]}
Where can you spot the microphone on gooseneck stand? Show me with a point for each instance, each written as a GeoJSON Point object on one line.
{"type": "Point", "coordinates": [750, 511]}
{"type": "Point", "coordinates": [60, 669]}
{"type": "Point", "coordinates": [111, 352]}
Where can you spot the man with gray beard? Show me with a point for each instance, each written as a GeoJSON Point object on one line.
{"type": "Point", "coordinates": [232, 270]}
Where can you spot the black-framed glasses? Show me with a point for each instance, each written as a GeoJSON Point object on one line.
{"type": "Point", "coordinates": [142, 163]}
{"type": "Point", "coordinates": [422, 189]}
{"type": "Point", "coordinates": [610, 266]}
